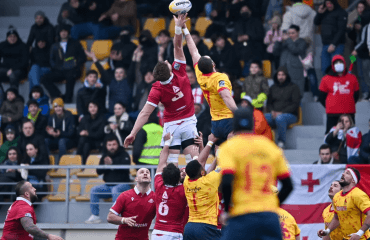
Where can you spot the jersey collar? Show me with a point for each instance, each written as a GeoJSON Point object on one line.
{"type": "Point", "coordinates": [168, 81]}
{"type": "Point", "coordinates": [23, 199]}
{"type": "Point", "coordinates": [344, 194]}
{"type": "Point", "coordinates": [138, 192]}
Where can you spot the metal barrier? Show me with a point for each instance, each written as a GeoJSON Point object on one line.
{"type": "Point", "coordinates": [68, 177]}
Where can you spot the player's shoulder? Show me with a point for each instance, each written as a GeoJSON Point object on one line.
{"type": "Point", "coordinates": [337, 195]}
{"type": "Point", "coordinates": [358, 192]}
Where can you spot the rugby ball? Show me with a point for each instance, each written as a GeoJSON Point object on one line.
{"type": "Point", "coordinates": [178, 7]}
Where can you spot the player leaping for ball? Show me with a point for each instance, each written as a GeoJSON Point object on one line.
{"type": "Point", "coordinates": [216, 89]}
{"type": "Point", "coordinates": [173, 90]}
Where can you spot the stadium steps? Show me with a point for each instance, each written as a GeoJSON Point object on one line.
{"type": "Point", "coordinates": [301, 156]}
{"type": "Point", "coordinates": [29, 11]}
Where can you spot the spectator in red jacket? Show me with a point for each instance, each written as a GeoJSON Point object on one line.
{"type": "Point", "coordinates": [339, 92]}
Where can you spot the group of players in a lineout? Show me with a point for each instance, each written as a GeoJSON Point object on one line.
{"type": "Point", "coordinates": [186, 202]}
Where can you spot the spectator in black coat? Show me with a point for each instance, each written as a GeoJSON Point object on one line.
{"type": "Point", "coordinates": [66, 60]}
{"type": "Point", "coordinates": [248, 38]}
{"type": "Point", "coordinates": [333, 21]}
{"type": "Point", "coordinates": [28, 135]}
{"type": "Point", "coordinates": [13, 58]}
{"type": "Point", "coordinates": [41, 29]}
{"type": "Point", "coordinates": [120, 86]}
{"type": "Point", "coordinates": [91, 131]}
{"type": "Point", "coordinates": [119, 123]}
{"type": "Point", "coordinates": [122, 51]}
{"type": "Point", "coordinates": [61, 129]}
{"type": "Point", "coordinates": [11, 110]}
{"type": "Point", "coordinates": [68, 14]}
{"type": "Point", "coordinates": [150, 52]}
{"type": "Point", "coordinates": [223, 55]}
{"type": "Point", "coordinates": [38, 120]}
{"type": "Point", "coordinates": [202, 48]}
{"type": "Point", "coordinates": [93, 90]}
{"type": "Point", "coordinates": [218, 17]}
{"type": "Point", "coordinates": [40, 61]}
{"type": "Point", "coordinates": [165, 45]}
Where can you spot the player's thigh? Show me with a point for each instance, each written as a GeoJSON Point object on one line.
{"type": "Point", "coordinates": [187, 130]}
{"type": "Point", "coordinates": [221, 129]}
{"type": "Point", "coordinates": [176, 135]}
{"type": "Point", "coordinates": [201, 231]}
{"type": "Point", "coordinates": [166, 237]}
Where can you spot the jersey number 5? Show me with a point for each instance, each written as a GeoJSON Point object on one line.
{"type": "Point", "coordinates": [264, 171]}
{"type": "Point", "coordinates": [163, 209]}
{"type": "Point", "coordinates": [178, 96]}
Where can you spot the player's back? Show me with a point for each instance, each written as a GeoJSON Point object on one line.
{"type": "Point", "coordinates": [211, 84]}
{"type": "Point", "coordinates": [175, 95]}
{"type": "Point", "coordinates": [256, 162]}
{"type": "Point", "coordinates": [288, 225]}
{"type": "Point", "coordinates": [171, 206]}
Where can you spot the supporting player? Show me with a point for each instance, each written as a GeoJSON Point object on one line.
{"type": "Point", "coordinates": [216, 89]}
{"type": "Point", "coordinates": [247, 174]}
{"type": "Point", "coordinates": [351, 209]}
{"type": "Point", "coordinates": [134, 209]}
{"type": "Point", "coordinates": [20, 222]}
{"type": "Point", "coordinates": [328, 212]}
{"type": "Point", "coordinates": [170, 198]}
{"type": "Point", "coordinates": [173, 90]}
{"type": "Point", "coordinates": [201, 192]}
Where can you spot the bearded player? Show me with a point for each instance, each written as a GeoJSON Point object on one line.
{"type": "Point", "coordinates": [20, 222]}
{"type": "Point", "coordinates": [351, 209]}
{"type": "Point", "coordinates": [173, 90]}
{"type": "Point", "coordinates": [216, 89]}
{"type": "Point", "coordinates": [328, 212]}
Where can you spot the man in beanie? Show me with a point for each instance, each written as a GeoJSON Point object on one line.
{"type": "Point", "coordinates": [60, 129]}
{"type": "Point", "coordinates": [66, 59]}
{"type": "Point", "coordinates": [41, 29]}
{"type": "Point", "coordinates": [283, 103]}
{"type": "Point", "coordinates": [252, 199]}
{"type": "Point", "coordinates": [13, 58]}
{"type": "Point", "coordinates": [11, 110]}
{"type": "Point", "coordinates": [333, 21]}
{"type": "Point", "coordinates": [34, 114]}
{"type": "Point", "coordinates": [11, 140]}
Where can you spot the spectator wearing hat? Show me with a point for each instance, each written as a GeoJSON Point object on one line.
{"type": "Point", "coordinates": [261, 127]}
{"type": "Point", "coordinates": [91, 131]}
{"type": "Point", "coordinates": [38, 120]}
{"type": "Point", "coordinates": [11, 140]}
{"type": "Point", "coordinates": [66, 59]}
{"type": "Point", "coordinates": [40, 61]}
{"type": "Point", "coordinates": [61, 129]}
{"type": "Point", "coordinates": [272, 36]}
{"type": "Point", "coordinates": [255, 83]}
{"type": "Point", "coordinates": [41, 29]}
{"type": "Point", "coordinates": [122, 51]}
{"type": "Point", "coordinates": [13, 58]}
{"type": "Point", "coordinates": [37, 93]}
{"type": "Point", "coordinates": [283, 101]}
{"type": "Point", "coordinates": [12, 109]}
{"type": "Point", "coordinates": [122, 14]}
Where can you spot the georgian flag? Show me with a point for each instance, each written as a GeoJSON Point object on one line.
{"type": "Point", "coordinates": [353, 140]}
{"type": "Point", "coordinates": [310, 195]}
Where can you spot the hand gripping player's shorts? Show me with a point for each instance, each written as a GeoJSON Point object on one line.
{"type": "Point", "coordinates": [182, 130]}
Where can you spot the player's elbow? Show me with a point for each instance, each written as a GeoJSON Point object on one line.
{"type": "Point", "coordinates": [110, 218]}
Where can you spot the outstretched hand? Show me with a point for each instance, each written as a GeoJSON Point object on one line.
{"type": "Point", "coordinates": [181, 20]}
{"type": "Point", "coordinates": [129, 140]}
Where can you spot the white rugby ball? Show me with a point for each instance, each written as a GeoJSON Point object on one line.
{"type": "Point", "coordinates": [178, 7]}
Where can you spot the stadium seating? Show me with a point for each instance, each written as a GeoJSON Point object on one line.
{"type": "Point", "coordinates": [52, 162]}
{"type": "Point", "coordinates": [171, 28]}
{"type": "Point", "coordinates": [182, 161]}
{"type": "Point", "coordinates": [74, 191]}
{"type": "Point", "coordinates": [299, 121]}
{"type": "Point", "coordinates": [138, 26]}
{"type": "Point", "coordinates": [105, 65]}
{"type": "Point", "coordinates": [208, 42]}
{"type": "Point", "coordinates": [89, 172]}
{"type": "Point", "coordinates": [85, 197]}
{"type": "Point", "coordinates": [72, 110]}
{"type": "Point", "coordinates": [266, 68]}
{"type": "Point", "coordinates": [202, 24]}
{"type": "Point", "coordinates": [135, 41]}
{"type": "Point", "coordinates": [155, 25]}
{"type": "Point", "coordinates": [67, 160]}
{"type": "Point", "coordinates": [84, 46]}
{"type": "Point", "coordinates": [102, 48]}
{"type": "Point", "coordinates": [132, 170]}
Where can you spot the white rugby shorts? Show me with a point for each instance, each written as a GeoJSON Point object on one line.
{"type": "Point", "coordinates": [181, 130]}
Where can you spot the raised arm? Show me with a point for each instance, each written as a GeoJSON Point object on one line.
{"type": "Point", "coordinates": [31, 228]}
{"type": "Point", "coordinates": [228, 99]}
{"type": "Point", "coordinates": [177, 42]}
{"type": "Point", "coordinates": [140, 121]}
{"type": "Point", "coordinates": [203, 156]}
{"type": "Point", "coordinates": [191, 45]}
{"type": "Point", "coordinates": [164, 153]}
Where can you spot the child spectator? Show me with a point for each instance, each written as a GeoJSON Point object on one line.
{"type": "Point", "coordinates": [255, 83]}
{"type": "Point", "coordinates": [12, 108]}
{"type": "Point", "coordinates": [37, 93]}
{"type": "Point", "coordinates": [38, 120]}
{"type": "Point", "coordinates": [273, 35]}
{"type": "Point", "coordinates": [11, 140]}
{"type": "Point", "coordinates": [119, 123]}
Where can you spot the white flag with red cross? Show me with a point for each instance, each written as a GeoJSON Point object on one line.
{"type": "Point", "coordinates": [310, 195]}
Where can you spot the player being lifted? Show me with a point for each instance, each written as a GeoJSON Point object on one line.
{"type": "Point", "coordinates": [216, 89]}
{"type": "Point", "coordinates": [351, 209]}
{"type": "Point", "coordinates": [173, 90]}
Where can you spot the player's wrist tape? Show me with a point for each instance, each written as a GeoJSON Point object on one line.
{"type": "Point", "coordinates": [327, 231]}
{"type": "Point", "coordinates": [178, 30]}
{"type": "Point", "coordinates": [186, 31]}
{"type": "Point", "coordinates": [123, 220]}
{"type": "Point", "coordinates": [360, 233]}
{"type": "Point", "coordinates": [210, 143]}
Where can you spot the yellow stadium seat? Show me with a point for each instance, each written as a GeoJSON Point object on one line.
{"type": "Point", "coordinates": [67, 160]}
{"type": "Point", "coordinates": [72, 110]}
{"type": "Point", "coordinates": [242, 63]}
{"type": "Point", "coordinates": [155, 25]}
{"type": "Point", "coordinates": [208, 42]}
{"type": "Point", "coordinates": [104, 64]}
{"type": "Point", "coordinates": [74, 191]}
{"type": "Point", "coordinates": [83, 44]}
{"type": "Point", "coordinates": [85, 197]}
{"type": "Point", "coordinates": [83, 73]}
{"type": "Point", "coordinates": [137, 34]}
{"type": "Point", "coordinates": [299, 121]}
{"type": "Point", "coordinates": [52, 162]}
{"type": "Point", "coordinates": [202, 24]}
{"type": "Point", "coordinates": [89, 172]}
{"type": "Point", "coordinates": [171, 28]}
{"type": "Point", "coordinates": [132, 170]}
{"type": "Point", "coordinates": [102, 48]}
{"type": "Point", "coordinates": [266, 68]}
{"type": "Point", "coordinates": [135, 41]}
{"type": "Point", "coordinates": [182, 161]}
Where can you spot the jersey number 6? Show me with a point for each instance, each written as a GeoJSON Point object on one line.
{"type": "Point", "coordinates": [178, 96]}
{"type": "Point", "coordinates": [163, 209]}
